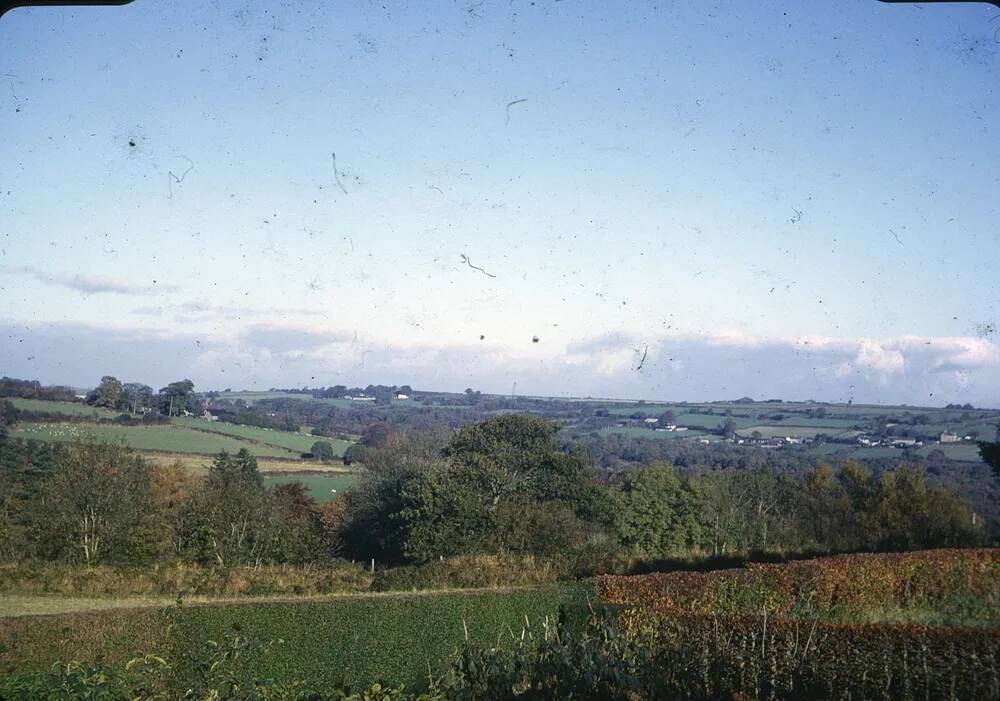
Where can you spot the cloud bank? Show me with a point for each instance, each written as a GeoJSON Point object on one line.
{"type": "Point", "coordinates": [912, 370]}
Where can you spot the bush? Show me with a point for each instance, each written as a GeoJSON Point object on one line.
{"type": "Point", "coordinates": [469, 571]}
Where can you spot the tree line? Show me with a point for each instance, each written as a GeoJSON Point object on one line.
{"type": "Point", "coordinates": [502, 486]}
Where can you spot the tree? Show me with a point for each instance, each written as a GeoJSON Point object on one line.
{"type": "Point", "coordinates": [229, 521]}
{"type": "Point", "coordinates": [8, 413]}
{"type": "Point", "coordinates": [373, 525]}
{"type": "Point", "coordinates": [235, 472]}
{"type": "Point", "coordinates": [668, 418]}
{"type": "Point", "coordinates": [296, 533]}
{"type": "Point", "coordinates": [493, 471]}
{"type": "Point", "coordinates": [990, 453]}
{"type": "Point", "coordinates": [323, 451]}
{"type": "Point", "coordinates": [96, 507]}
{"type": "Point", "coordinates": [177, 397]}
{"type": "Point", "coordinates": [728, 428]}
{"type": "Point", "coordinates": [107, 394]}
{"type": "Point", "coordinates": [174, 488]}
{"type": "Point", "coordinates": [136, 396]}
{"type": "Point", "coordinates": [657, 513]}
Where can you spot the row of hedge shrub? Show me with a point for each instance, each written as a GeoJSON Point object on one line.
{"type": "Point", "coordinates": [765, 631]}
{"type": "Point", "coordinates": [334, 577]}
{"type": "Point", "coordinates": [845, 588]}
{"type": "Point", "coordinates": [183, 578]}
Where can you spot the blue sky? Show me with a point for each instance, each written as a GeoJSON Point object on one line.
{"type": "Point", "coordinates": [777, 199]}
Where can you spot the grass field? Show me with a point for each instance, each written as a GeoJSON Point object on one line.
{"type": "Point", "coordinates": [298, 442]}
{"type": "Point", "coordinates": [792, 431]}
{"type": "Point", "coordinates": [964, 452]}
{"type": "Point", "coordinates": [253, 397]}
{"type": "Point", "coordinates": [639, 432]}
{"type": "Point", "coordinates": [66, 408]}
{"type": "Point", "coordinates": [169, 439]}
{"type": "Point", "coordinates": [321, 487]}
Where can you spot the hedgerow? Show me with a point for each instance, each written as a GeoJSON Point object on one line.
{"type": "Point", "coordinates": [765, 631]}
{"type": "Point", "coordinates": [187, 579]}
{"type": "Point", "coordinates": [844, 588]}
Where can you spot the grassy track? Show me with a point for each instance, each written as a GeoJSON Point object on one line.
{"type": "Point", "coordinates": [35, 605]}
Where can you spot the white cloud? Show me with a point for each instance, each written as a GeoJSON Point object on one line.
{"type": "Point", "coordinates": [92, 284]}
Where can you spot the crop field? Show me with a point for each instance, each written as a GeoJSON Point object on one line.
{"type": "Point", "coordinates": [298, 442]}
{"type": "Point", "coordinates": [169, 439]}
{"type": "Point", "coordinates": [321, 487]}
{"type": "Point", "coordinates": [67, 408]}
{"type": "Point", "coordinates": [360, 639]}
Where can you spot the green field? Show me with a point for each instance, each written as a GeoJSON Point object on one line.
{"type": "Point", "coordinates": [66, 408]}
{"type": "Point", "coordinates": [321, 487]}
{"type": "Point", "coordinates": [964, 452]}
{"type": "Point", "coordinates": [169, 439]}
{"type": "Point", "coordinates": [639, 432]}
{"type": "Point", "coordinates": [359, 639]}
{"type": "Point", "coordinates": [783, 430]}
{"type": "Point", "coordinates": [298, 442]}
{"type": "Point", "coordinates": [253, 397]}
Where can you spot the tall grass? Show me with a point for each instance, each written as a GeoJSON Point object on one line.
{"type": "Point", "coordinates": [171, 579]}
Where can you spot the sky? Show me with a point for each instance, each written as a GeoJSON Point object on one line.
{"type": "Point", "coordinates": [680, 200]}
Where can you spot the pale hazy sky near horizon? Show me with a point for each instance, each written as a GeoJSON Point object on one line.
{"type": "Point", "coordinates": [783, 199]}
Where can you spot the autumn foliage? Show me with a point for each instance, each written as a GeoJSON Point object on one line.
{"type": "Point", "coordinates": [778, 631]}
{"type": "Point", "coordinates": [839, 586]}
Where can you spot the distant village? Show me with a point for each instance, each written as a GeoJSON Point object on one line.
{"type": "Point", "coordinates": [751, 437]}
